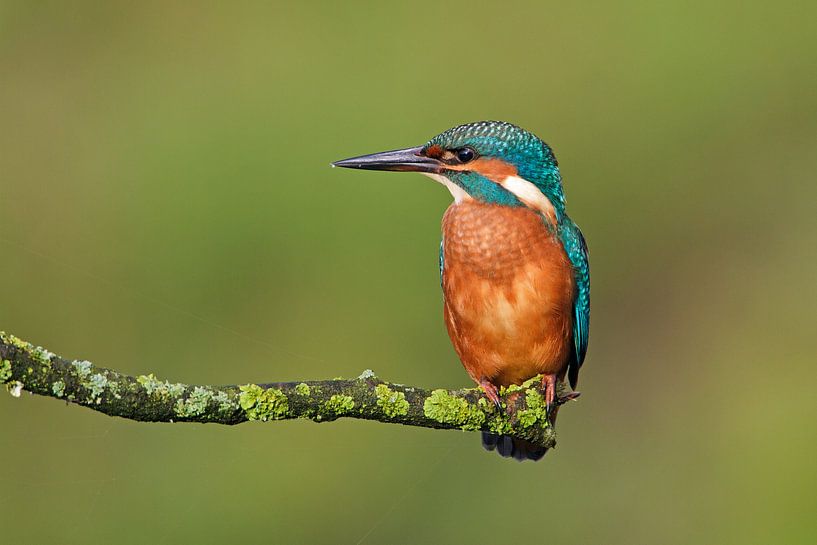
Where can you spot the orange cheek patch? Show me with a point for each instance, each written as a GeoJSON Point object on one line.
{"type": "Point", "coordinates": [495, 170]}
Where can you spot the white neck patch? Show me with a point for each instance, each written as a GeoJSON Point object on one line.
{"type": "Point", "coordinates": [457, 192]}
{"type": "Point", "coordinates": [528, 193]}
{"type": "Point", "coordinates": [525, 191]}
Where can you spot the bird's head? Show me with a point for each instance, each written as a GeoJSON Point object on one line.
{"type": "Point", "coordinates": [489, 161]}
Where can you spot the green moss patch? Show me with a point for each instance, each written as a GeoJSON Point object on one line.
{"type": "Point", "coordinates": [5, 371]}
{"type": "Point", "coordinates": [390, 402]}
{"type": "Point", "coordinates": [535, 411]}
{"type": "Point", "coordinates": [261, 404]}
{"type": "Point", "coordinates": [340, 404]}
{"type": "Point", "coordinates": [302, 389]}
{"type": "Point", "coordinates": [447, 409]}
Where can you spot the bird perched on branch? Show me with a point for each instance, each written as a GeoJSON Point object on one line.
{"type": "Point", "coordinates": [513, 265]}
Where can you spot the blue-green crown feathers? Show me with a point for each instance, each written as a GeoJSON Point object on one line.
{"type": "Point", "coordinates": [533, 159]}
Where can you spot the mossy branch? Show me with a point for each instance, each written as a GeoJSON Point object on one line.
{"type": "Point", "coordinates": [148, 399]}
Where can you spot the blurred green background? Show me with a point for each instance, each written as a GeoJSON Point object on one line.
{"type": "Point", "coordinates": [166, 206]}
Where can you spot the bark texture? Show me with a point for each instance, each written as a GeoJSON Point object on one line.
{"type": "Point", "coordinates": [25, 367]}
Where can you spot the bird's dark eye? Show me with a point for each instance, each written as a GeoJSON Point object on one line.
{"type": "Point", "coordinates": [465, 154]}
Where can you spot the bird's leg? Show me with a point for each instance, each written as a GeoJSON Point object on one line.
{"type": "Point", "coordinates": [490, 392]}
{"type": "Point", "coordinates": [549, 386]}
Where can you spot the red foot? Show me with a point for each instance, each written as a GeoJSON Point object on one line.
{"type": "Point", "coordinates": [490, 392]}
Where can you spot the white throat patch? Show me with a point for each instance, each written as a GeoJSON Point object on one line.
{"type": "Point", "coordinates": [457, 192]}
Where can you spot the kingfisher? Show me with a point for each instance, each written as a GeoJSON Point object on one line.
{"type": "Point", "coordinates": [513, 266]}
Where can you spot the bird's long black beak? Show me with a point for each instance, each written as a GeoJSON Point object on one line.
{"type": "Point", "coordinates": [405, 160]}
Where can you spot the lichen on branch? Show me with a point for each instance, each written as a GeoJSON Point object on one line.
{"type": "Point", "coordinates": [146, 398]}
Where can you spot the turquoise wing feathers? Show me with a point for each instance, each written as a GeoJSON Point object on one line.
{"type": "Point", "coordinates": [576, 249]}
{"type": "Point", "coordinates": [442, 261]}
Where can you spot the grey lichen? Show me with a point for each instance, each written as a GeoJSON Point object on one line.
{"type": "Point", "coordinates": [175, 389]}
{"type": "Point", "coordinates": [42, 355]}
{"type": "Point", "coordinates": [390, 402]}
{"type": "Point", "coordinates": [58, 388]}
{"type": "Point", "coordinates": [96, 384]}
{"type": "Point", "coordinates": [367, 374]}
{"type": "Point", "coordinates": [15, 388]}
{"type": "Point", "coordinates": [225, 405]}
{"type": "Point", "coordinates": [151, 384]}
{"type": "Point", "coordinates": [195, 404]}
{"type": "Point", "coordinates": [161, 388]}
{"type": "Point", "coordinates": [82, 368]}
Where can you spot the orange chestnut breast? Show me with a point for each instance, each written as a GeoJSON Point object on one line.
{"type": "Point", "coordinates": [509, 290]}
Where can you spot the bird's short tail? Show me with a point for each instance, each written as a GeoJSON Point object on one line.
{"type": "Point", "coordinates": [511, 447]}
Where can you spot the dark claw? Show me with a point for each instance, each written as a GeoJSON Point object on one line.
{"type": "Point", "coordinates": [569, 397]}
{"type": "Point", "coordinates": [491, 393]}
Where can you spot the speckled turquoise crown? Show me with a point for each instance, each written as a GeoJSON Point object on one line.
{"type": "Point", "coordinates": [495, 139]}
